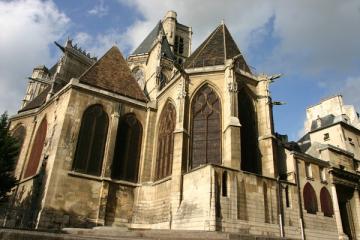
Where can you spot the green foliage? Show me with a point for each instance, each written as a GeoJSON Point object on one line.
{"type": "Point", "coordinates": [9, 149]}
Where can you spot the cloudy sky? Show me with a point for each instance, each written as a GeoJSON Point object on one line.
{"type": "Point", "coordinates": [314, 44]}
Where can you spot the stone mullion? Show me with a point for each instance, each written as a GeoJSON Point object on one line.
{"type": "Point", "coordinates": [106, 170]}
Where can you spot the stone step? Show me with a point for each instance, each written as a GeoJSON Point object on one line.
{"type": "Point", "coordinates": [110, 233]}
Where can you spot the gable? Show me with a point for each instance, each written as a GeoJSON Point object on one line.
{"type": "Point", "coordinates": [112, 73]}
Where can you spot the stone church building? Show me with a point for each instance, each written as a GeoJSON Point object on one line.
{"type": "Point", "coordinates": [171, 138]}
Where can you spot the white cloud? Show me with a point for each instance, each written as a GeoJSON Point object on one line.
{"type": "Point", "coordinates": [99, 9]}
{"type": "Point", "coordinates": [28, 27]}
{"type": "Point", "coordinates": [99, 44]}
{"type": "Point", "coordinates": [350, 91]}
{"type": "Point", "coordinates": [313, 36]}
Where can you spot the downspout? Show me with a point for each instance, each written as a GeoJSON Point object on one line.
{"type": "Point", "coordinates": [280, 207]}
{"type": "Point", "coordinates": [301, 214]}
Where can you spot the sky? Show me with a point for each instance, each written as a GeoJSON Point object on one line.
{"type": "Point", "coordinates": [315, 45]}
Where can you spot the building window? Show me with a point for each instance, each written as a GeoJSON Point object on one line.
{"type": "Point", "coordinates": [287, 197]}
{"type": "Point", "coordinates": [37, 149]}
{"type": "Point", "coordinates": [179, 45]}
{"type": "Point", "coordinates": [91, 141]}
{"type": "Point", "coordinates": [310, 200]}
{"type": "Point", "coordinates": [224, 184]}
{"type": "Point", "coordinates": [326, 137]}
{"type": "Point", "coordinates": [127, 149]}
{"type": "Point", "coordinates": [165, 144]}
{"type": "Point", "coordinates": [322, 174]}
{"type": "Point", "coordinates": [206, 127]}
{"type": "Point", "coordinates": [250, 153]}
{"type": "Point", "coordinates": [326, 203]}
{"type": "Point", "coordinates": [162, 80]}
{"type": "Point", "coordinates": [308, 171]}
{"type": "Point", "coordinates": [351, 141]}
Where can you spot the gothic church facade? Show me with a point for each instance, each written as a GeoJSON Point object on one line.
{"type": "Point", "coordinates": [166, 139]}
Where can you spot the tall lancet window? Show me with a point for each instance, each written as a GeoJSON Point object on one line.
{"type": "Point", "coordinates": [165, 144]}
{"type": "Point", "coordinates": [36, 150]}
{"type": "Point", "coordinates": [125, 164]}
{"type": "Point", "coordinates": [91, 141]}
{"type": "Point", "coordinates": [206, 127]}
{"type": "Point", "coordinates": [250, 160]}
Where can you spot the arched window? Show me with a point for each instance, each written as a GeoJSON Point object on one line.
{"type": "Point", "coordinates": [165, 144]}
{"type": "Point", "coordinates": [250, 160]}
{"type": "Point", "coordinates": [36, 150]}
{"type": "Point", "coordinates": [310, 200]}
{"type": "Point", "coordinates": [91, 141]}
{"type": "Point", "coordinates": [326, 203]}
{"type": "Point", "coordinates": [206, 127]}
{"type": "Point", "coordinates": [19, 134]}
{"type": "Point", "coordinates": [127, 149]}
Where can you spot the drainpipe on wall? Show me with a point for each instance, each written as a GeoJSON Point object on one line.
{"type": "Point", "coordinates": [280, 207]}
{"type": "Point", "coordinates": [301, 214]}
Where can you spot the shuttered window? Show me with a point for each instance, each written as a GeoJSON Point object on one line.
{"type": "Point", "coordinates": [125, 164]}
{"type": "Point", "coordinates": [165, 144]}
{"type": "Point", "coordinates": [36, 150]}
{"type": "Point", "coordinates": [91, 141]}
{"type": "Point", "coordinates": [206, 127]}
{"type": "Point", "coordinates": [310, 200]}
{"type": "Point", "coordinates": [326, 203]}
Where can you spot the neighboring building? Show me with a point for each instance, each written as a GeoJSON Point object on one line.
{"type": "Point", "coordinates": [333, 135]}
{"type": "Point", "coordinates": [168, 139]}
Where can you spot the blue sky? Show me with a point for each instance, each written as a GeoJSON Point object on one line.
{"type": "Point", "coordinates": [315, 45]}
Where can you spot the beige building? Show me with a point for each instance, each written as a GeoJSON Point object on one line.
{"type": "Point", "coordinates": [173, 139]}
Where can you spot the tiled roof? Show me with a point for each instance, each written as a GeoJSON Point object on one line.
{"type": "Point", "coordinates": [112, 73]}
{"type": "Point", "coordinates": [37, 101]}
{"type": "Point", "coordinates": [218, 47]}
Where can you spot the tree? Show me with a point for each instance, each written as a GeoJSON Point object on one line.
{"type": "Point", "coordinates": [9, 150]}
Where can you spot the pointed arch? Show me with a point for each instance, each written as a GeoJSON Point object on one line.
{"type": "Point", "coordinates": [36, 150]}
{"type": "Point", "coordinates": [326, 202]}
{"type": "Point", "coordinates": [165, 143]}
{"type": "Point", "coordinates": [205, 127]}
{"type": "Point", "coordinates": [250, 154]}
{"type": "Point", "coordinates": [91, 141]}
{"type": "Point", "coordinates": [125, 165]}
{"type": "Point", "coordinates": [310, 200]}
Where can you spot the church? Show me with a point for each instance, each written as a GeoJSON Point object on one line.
{"type": "Point", "coordinates": [175, 138]}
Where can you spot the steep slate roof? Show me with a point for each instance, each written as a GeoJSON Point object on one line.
{"type": "Point", "coordinates": [324, 122]}
{"type": "Point", "coordinates": [112, 73]}
{"type": "Point", "coordinates": [37, 101]}
{"type": "Point", "coordinates": [218, 47]}
{"type": "Point", "coordinates": [148, 42]}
